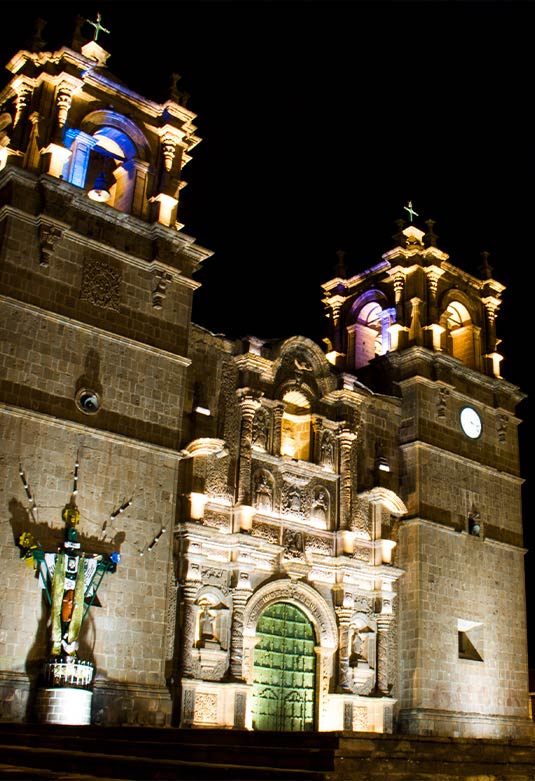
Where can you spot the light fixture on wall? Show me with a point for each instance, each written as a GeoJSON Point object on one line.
{"type": "Point", "coordinates": [100, 192]}
{"type": "Point", "coordinates": [474, 523]}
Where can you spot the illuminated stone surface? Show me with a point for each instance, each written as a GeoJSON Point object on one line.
{"type": "Point", "coordinates": [252, 479]}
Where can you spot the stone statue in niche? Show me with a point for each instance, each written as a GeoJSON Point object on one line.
{"type": "Point", "coordinates": [207, 626]}
{"type": "Point", "coordinates": [327, 451]}
{"type": "Point", "coordinates": [320, 505]}
{"type": "Point", "coordinates": [264, 494]}
{"type": "Point", "coordinates": [294, 500]}
{"type": "Point", "coordinates": [210, 660]}
{"type": "Point", "coordinates": [360, 652]}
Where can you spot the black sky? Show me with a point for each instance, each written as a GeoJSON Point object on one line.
{"type": "Point", "coordinates": [320, 121]}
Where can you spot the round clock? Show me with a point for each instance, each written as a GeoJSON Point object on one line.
{"type": "Point", "coordinates": [470, 422]}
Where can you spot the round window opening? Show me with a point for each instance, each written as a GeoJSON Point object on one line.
{"type": "Point", "coordinates": [88, 401]}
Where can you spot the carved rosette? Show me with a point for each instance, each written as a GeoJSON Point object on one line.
{"type": "Point", "coordinates": [101, 284]}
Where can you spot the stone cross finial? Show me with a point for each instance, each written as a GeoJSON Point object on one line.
{"type": "Point", "coordinates": [341, 265]}
{"type": "Point", "coordinates": [485, 268]}
{"type": "Point", "coordinates": [98, 26]}
{"type": "Point", "coordinates": [411, 211]}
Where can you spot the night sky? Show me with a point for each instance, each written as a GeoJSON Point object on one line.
{"type": "Point", "coordinates": [320, 121]}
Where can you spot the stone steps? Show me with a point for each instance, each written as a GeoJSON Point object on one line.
{"type": "Point", "coordinates": [31, 752]}
{"type": "Point", "coordinates": [155, 753]}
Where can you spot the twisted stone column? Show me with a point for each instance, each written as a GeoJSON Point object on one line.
{"type": "Point", "coordinates": [344, 615]}
{"type": "Point", "coordinates": [249, 403]}
{"type": "Point", "coordinates": [383, 666]}
{"type": "Point", "coordinates": [189, 592]}
{"type": "Point", "coordinates": [345, 441]}
{"type": "Point", "coordinates": [240, 599]}
{"type": "Point", "coordinates": [277, 428]}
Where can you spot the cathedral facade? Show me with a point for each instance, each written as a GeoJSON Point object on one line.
{"type": "Point", "coordinates": [263, 535]}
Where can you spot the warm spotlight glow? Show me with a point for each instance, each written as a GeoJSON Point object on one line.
{"type": "Point", "coordinates": [197, 505]}
{"type": "Point", "coordinates": [99, 193]}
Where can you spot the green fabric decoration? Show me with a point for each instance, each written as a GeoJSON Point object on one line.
{"type": "Point", "coordinates": [78, 609]}
{"type": "Point", "coordinates": [58, 587]}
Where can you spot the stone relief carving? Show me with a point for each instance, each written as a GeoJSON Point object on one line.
{"type": "Point", "coordinates": [189, 704]}
{"type": "Point", "coordinates": [49, 235]}
{"type": "Point", "coordinates": [361, 553]}
{"type": "Point", "coordinates": [260, 429]}
{"type": "Point", "coordinates": [216, 520]}
{"type": "Point", "coordinates": [172, 587]}
{"type": "Point", "coordinates": [266, 532]}
{"type": "Point", "coordinates": [361, 517]}
{"type": "Point", "coordinates": [205, 707]}
{"type": "Point", "coordinates": [443, 395]}
{"type": "Point", "coordinates": [160, 281]}
{"type": "Point", "coordinates": [318, 545]}
{"type": "Point", "coordinates": [101, 284]}
{"type": "Point", "coordinates": [501, 427]}
{"type": "Point", "coordinates": [294, 501]}
{"type": "Point", "coordinates": [217, 478]}
{"type": "Point", "coordinates": [301, 369]}
{"type": "Point", "coordinates": [215, 576]}
{"type": "Point", "coordinates": [293, 544]}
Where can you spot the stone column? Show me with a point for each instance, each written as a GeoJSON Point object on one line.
{"type": "Point", "coordinates": [240, 599]}
{"type": "Point", "coordinates": [189, 592]}
{"type": "Point", "coordinates": [23, 89]}
{"type": "Point", "coordinates": [317, 428]}
{"type": "Point", "coordinates": [491, 307]}
{"type": "Point", "coordinates": [345, 442]}
{"type": "Point", "coordinates": [383, 641]}
{"type": "Point", "coordinates": [344, 615]}
{"type": "Point", "coordinates": [249, 403]}
{"type": "Point", "coordinates": [277, 428]}
{"type": "Point", "coordinates": [399, 283]}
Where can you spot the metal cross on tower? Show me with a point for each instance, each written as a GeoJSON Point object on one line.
{"type": "Point", "coordinates": [98, 26]}
{"type": "Point", "coordinates": [411, 211]}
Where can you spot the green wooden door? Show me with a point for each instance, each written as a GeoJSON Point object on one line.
{"type": "Point", "coordinates": [284, 670]}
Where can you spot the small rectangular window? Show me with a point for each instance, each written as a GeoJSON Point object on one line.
{"type": "Point", "coordinates": [470, 640]}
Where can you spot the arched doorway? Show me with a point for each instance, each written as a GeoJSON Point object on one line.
{"type": "Point", "coordinates": [284, 678]}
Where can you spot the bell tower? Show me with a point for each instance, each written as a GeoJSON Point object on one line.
{"type": "Point", "coordinates": [97, 280]}
{"type": "Point", "coordinates": [418, 327]}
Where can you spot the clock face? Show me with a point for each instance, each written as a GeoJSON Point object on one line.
{"type": "Point", "coordinates": [470, 422]}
